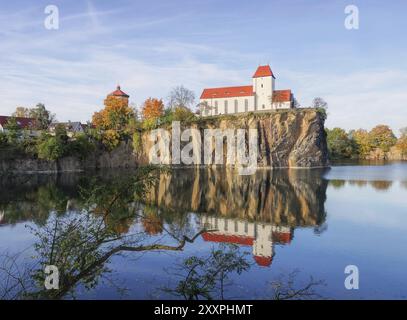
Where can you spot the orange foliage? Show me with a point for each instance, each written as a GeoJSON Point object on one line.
{"type": "Point", "coordinates": [152, 108]}
{"type": "Point", "coordinates": [116, 114]}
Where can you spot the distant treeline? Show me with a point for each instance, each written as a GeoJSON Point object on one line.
{"type": "Point", "coordinates": [378, 143]}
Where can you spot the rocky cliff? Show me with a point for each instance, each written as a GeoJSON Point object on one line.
{"type": "Point", "coordinates": [286, 138]}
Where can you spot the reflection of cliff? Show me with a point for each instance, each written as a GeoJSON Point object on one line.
{"type": "Point", "coordinates": [282, 197]}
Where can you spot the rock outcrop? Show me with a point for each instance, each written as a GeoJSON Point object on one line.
{"type": "Point", "coordinates": [286, 139]}
{"type": "Point", "coordinates": [292, 138]}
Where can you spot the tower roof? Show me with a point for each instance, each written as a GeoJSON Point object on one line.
{"type": "Point", "coordinates": [119, 93]}
{"type": "Point", "coordinates": [263, 71]}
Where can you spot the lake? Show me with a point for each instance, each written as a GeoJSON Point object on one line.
{"type": "Point", "coordinates": [196, 233]}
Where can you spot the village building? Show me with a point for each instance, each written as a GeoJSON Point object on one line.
{"type": "Point", "coordinates": [120, 95]}
{"type": "Point", "coordinates": [259, 96]}
{"type": "Point", "coordinates": [71, 127]}
{"type": "Point", "coordinates": [259, 235]}
{"type": "Point", "coordinates": [26, 125]}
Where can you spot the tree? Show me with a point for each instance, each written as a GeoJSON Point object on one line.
{"type": "Point", "coordinates": [181, 97]}
{"type": "Point", "coordinates": [43, 117]}
{"type": "Point", "coordinates": [361, 138]}
{"type": "Point", "coordinates": [319, 102]}
{"type": "Point", "coordinates": [402, 141]}
{"type": "Point", "coordinates": [13, 130]}
{"type": "Point", "coordinates": [382, 137]}
{"type": "Point", "coordinates": [116, 115]}
{"type": "Point", "coordinates": [50, 148]}
{"type": "Point", "coordinates": [21, 112]}
{"type": "Point", "coordinates": [152, 108]}
{"type": "Point", "coordinates": [339, 144]}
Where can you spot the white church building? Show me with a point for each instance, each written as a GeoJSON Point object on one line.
{"type": "Point", "coordinates": [259, 96]}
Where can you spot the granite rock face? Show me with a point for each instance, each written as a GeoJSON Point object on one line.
{"type": "Point", "coordinates": [292, 138]}
{"type": "Point", "coordinates": [286, 139]}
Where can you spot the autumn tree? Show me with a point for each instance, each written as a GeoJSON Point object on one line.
{"type": "Point", "coordinates": [21, 112]}
{"type": "Point", "coordinates": [152, 108]}
{"type": "Point", "coordinates": [181, 97]}
{"type": "Point", "coordinates": [382, 137]}
{"type": "Point", "coordinates": [361, 138]}
{"type": "Point", "coordinates": [402, 141]}
{"type": "Point", "coordinates": [116, 115]}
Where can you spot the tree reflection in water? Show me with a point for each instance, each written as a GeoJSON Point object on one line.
{"type": "Point", "coordinates": [80, 244]}
{"type": "Point", "coordinates": [150, 210]}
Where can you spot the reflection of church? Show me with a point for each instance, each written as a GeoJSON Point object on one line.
{"type": "Point", "coordinates": [261, 236]}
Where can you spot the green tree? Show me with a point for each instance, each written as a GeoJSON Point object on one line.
{"type": "Point", "coordinates": [339, 144]}
{"type": "Point", "coordinates": [382, 137]}
{"type": "Point", "coordinates": [13, 130]}
{"type": "Point", "coordinates": [43, 117]}
{"type": "Point", "coordinates": [50, 148]}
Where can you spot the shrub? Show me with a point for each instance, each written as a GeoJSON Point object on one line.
{"type": "Point", "coordinates": [80, 146]}
{"type": "Point", "coordinates": [50, 149]}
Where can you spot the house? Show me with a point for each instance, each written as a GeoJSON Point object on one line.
{"type": "Point", "coordinates": [71, 127]}
{"type": "Point", "coordinates": [25, 124]}
{"type": "Point", "coordinates": [259, 96]}
{"type": "Point", "coordinates": [260, 236]}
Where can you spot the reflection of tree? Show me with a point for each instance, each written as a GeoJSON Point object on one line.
{"type": "Point", "coordinates": [151, 221]}
{"type": "Point", "coordinates": [381, 185]}
{"type": "Point", "coordinates": [337, 184]}
{"type": "Point", "coordinates": [81, 244]}
{"type": "Point", "coordinates": [286, 287]}
{"type": "Point", "coordinates": [207, 277]}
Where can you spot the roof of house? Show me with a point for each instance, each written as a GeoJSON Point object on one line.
{"type": "Point", "coordinates": [217, 237]}
{"type": "Point", "coordinates": [263, 71]}
{"type": "Point", "coordinates": [281, 95]}
{"type": "Point", "coordinates": [227, 92]}
{"type": "Point", "coordinates": [70, 125]}
{"type": "Point", "coordinates": [22, 122]}
{"type": "Point", "coordinates": [119, 93]}
{"type": "Point", "coordinates": [263, 261]}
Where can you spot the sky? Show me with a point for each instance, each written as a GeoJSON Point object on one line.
{"type": "Point", "coordinates": [148, 47]}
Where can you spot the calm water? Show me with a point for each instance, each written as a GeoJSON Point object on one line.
{"type": "Point", "coordinates": [299, 223]}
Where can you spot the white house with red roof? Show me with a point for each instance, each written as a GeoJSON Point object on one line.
{"type": "Point", "coordinates": [259, 235]}
{"type": "Point", "coordinates": [259, 96]}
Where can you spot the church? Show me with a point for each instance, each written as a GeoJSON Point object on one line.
{"type": "Point", "coordinates": [260, 96]}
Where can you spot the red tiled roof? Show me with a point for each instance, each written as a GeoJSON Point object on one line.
{"type": "Point", "coordinates": [263, 71]}
{"type": "Point", "coordinates": [263, 261]}
{"type": "Point", "coordinates": [226, 92]}
{"type": "Point", "coordinates": [282, 237]}
{"type": "Point", "coordinates": [281, 95]}
{"type": "Point", "coordinates": [23, 122]}
{"type": "Point", "coordinates": [119, 93]}
{"type": "Point", "coordinates": [216, 237]}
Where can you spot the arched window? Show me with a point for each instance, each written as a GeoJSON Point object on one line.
{"type": "Point", "coordinates": [236, 106]}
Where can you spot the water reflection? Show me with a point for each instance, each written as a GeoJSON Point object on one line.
{"type": "Point", "coordinates": [82, 221]}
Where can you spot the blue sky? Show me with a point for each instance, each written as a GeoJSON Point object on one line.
{"type": "Point", "coordinates": [151, 46]}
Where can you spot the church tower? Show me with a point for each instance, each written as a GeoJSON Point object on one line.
{"type": "Point", "coordinates": [263, 87]}
{"type": "Point", "coordinates": [120, 95]}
